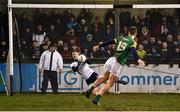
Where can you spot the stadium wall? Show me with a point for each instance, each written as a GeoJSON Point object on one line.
{"type": "Point", "coordinates": [139, 80]}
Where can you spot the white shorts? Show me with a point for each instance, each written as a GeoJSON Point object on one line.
{"type": "Point", "coordinates": [113, 66]}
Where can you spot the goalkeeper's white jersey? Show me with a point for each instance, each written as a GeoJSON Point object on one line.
{"type": "Point", "coordinates": [83, 70]}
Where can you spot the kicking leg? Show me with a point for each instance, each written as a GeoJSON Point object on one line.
{"type": "Point", "coordinates": [99, 81]}
{"type": "Point", "coordinates": [112, 79]}
{"type": "Point", "coordinates": [95, 91]}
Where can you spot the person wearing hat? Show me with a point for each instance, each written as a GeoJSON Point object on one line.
{"type": "Point", "coordinates": [50, 64]}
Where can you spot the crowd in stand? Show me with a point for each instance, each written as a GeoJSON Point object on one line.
{"type": "Point", "coordinates": [158, 33]}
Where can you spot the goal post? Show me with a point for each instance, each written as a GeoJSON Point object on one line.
{"type": "Point", "coordinates": [10, 54]}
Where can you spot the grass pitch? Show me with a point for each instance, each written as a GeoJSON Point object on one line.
{"type": "Point", "coordinates": [78, 102]}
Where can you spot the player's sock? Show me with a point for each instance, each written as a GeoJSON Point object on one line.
{"type": "Point", "coordinates": [89, 91]}
{"type": "Point", "coordinates": [98, 97]}
{"type": "Point", "coordinates": [96, 100]}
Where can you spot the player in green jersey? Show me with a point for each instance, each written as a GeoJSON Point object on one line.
{"type": "Point", "coordinates": [114, 65]}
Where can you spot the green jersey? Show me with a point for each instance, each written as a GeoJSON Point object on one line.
{"type": "Point", "coordinates": [123, 48]}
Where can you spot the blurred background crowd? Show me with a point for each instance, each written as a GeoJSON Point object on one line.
{"type": "Point", "coordinates": [158, 35]}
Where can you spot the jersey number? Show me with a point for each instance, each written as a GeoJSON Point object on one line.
{"type": "Point", "coordinates": [121, 46]}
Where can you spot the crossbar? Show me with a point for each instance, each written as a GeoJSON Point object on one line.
{"type": "Point", "coordinates": [94, 6]}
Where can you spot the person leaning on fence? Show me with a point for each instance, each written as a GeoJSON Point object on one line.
{"type": "Point", "coordinates": [50, 63]}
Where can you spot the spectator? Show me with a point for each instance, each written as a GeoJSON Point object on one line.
{"type": "Point", "coordinates": [24, 49]}
{"type": "Point", "coordinates": [60, 46]}
{"type": "Point", "coordinates": [52, 33]}
{"type": "Point", "coordinates": [27, 37]}
{"type": "Point", "coordinates": [85, 15]}
{"type": "Point", "coordinates": [88, 45]}
{"type": "Point", "coordinates": [135, 21]}
{"type": "Point", "coordinates": [43, 47]}
{"type": "Point", "coordinates": [74, 48]}
{"type": "Point", "coordinates": [111, 50]}
{"type": "Point", "coordinates": [141, 52]}
{"type": "Point", "coordinates": [97, 33]}
{"type": "Point", "coordinates": [46, 41]}
{"type": "Point", "coordinates": [155, 21]}
{"type": "Point", "coordinates": [39, 35]}
{"type": "Point", "coordinates": [97, 23]}
{"type": "Point", "coordinates": [71, 36]}
{"type": "Point", "coordinates": [108, 34]}
{"type": "Point", "coordinates": [35, 50]}
{"type": "Point", "coordinates": [72, 24]}
{"type": "Point", "coordinates": [24, 22]}
{"type": "Point", "coordinates": [153, 55]}
{"type": "Point", "coordinates": [83, 35]}
{"type": "Point", "coordinates": [178, 39]}
{"type": "Point", "coordinates": [5, 27]}
{"type": "Point", "coordinates": [152, 44]}
{"type": "Point", "coordinates": [54, 17]}
{"type": "Point", "coordinates": [148, 21]}
{"type": "Point", "coordinates": [153, 51]}
{"type": "Point", "coordinates": [110, 19]}
{"type": "Point", "coordinates": [145, 36]}
{"type": "Point", "coordinates": [124, 18]}
{"type": "Point", "coordinates": [176, 54]}
{"type": "Point", "coordinates": [159, 44]}
{"type": "Point", "coordinates": [68, 35]}
{"type": "Point", "coordinates": [1, 23]}
{"type": "Point", "coordinates": [81, 25]}
{"type": "Point", "coordinates": [169, 41]}
{"type": "Point", "coordinates": [103, 53]}
{"type": "Point", "coordinates": [40, 18]}
{"type": "Point", "coordinates": [164, 51]}
{"type": "Point", "coordinates": [124, 31]}
{"type": "Point", "coordinates": [162, 29]}
{"type": "Point", "coordinates": [66, 52]}
{"type": "Point", "coordinates": [177, 26]}
{"type": "Point", "coordinates": [73, 42]}
{"type": "Point", "coordinates": [57, 20]}
{"type": "Point", "coordinates": [140, 27]}
{"type": "Point", "coordinates": [67, 16]}
{"type": "Point", "coordinates": [50, 63]}
{"type": "Point", "coordinates": [3, 50]}
{"type": "Point", "coordinates": [111, 24]}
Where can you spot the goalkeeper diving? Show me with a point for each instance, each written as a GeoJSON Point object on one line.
{"type": "Point", "coordinates": [81, 65]}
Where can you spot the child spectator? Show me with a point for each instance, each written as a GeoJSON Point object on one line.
{"type": "Point", "coordinates": [141, 52]}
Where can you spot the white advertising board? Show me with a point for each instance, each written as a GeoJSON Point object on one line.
{"type": "Point", "coordinates": [150, 79]}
